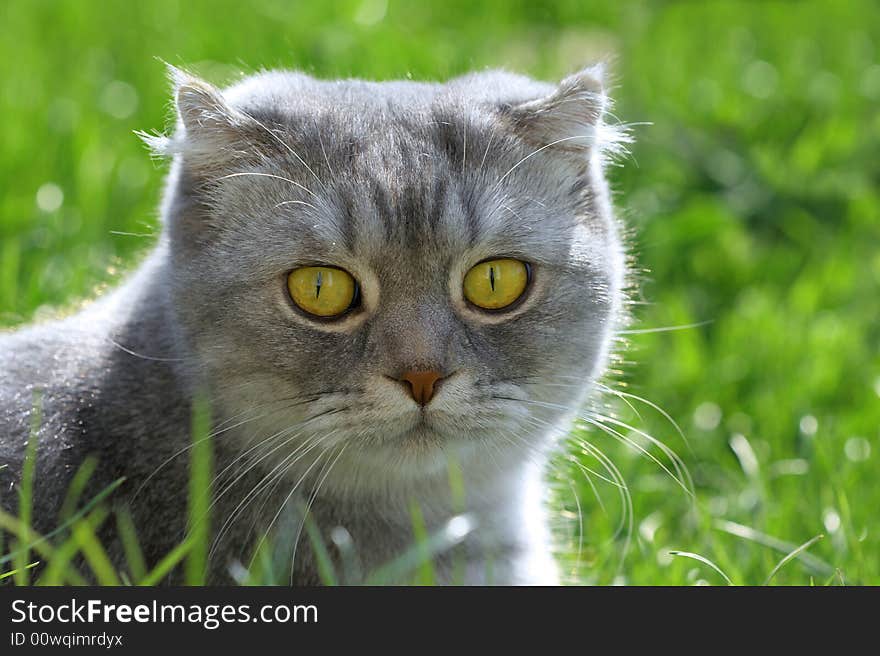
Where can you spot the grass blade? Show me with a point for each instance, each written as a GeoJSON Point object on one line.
{"type": "Point", "coordinates": [134, 556]}
{"type": "Point", "coordinates": [812, 563]}
{"type": "Point", "coordinates": [77, 485]}
{"type": "Point", "coordinates": [453, 533]}
{"type": "Point", "coordinates": [704, 560]}
{"type": "Point", "coordinates": [326, 571]}
{"type": "Point", "coordinates": [201, 465]}
{"type": "Point", "coordinates": [94, 552]}
{"type": "Point", "coordinates": [168, 563]}
{"type": "Point", "coordinates": [98, 498]}
{"type": "Point", "coordinates": [38, 543]}
{"type": "Point", "coordinates": [58, 567]}
{"type": "Point", "coordinates": [26, 492]}
{"type": "Point", "coordinates": [425, 573]}
{"type": "Point", "coordinates": [13, 572]}
{"type": "Point", "coordinates": [794, 554]}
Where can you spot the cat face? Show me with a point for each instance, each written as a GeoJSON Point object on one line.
{"type": "Point", "coordinates": [393, 193]}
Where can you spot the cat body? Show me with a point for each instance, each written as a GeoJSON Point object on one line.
{"type": "Point", "coordinates": [406, 187]}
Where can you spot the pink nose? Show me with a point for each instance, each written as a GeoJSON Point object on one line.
{"type": "Point", "coordinates": [421, 384]}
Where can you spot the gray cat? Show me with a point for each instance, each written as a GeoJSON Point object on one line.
{"type": "Point", "coordinates": [368, 281]}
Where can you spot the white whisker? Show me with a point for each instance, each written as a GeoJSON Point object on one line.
{"type": "Point", "coordinates": [259, 174]}
{"type": "Point", "coordinates": [314, 496]}
{"type": "Point", "coordinates": [288, 148]}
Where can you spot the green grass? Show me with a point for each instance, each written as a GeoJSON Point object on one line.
{"type": "Point", "coordinates": [753, 199]}
{"type": "Point", "coordinates": [200, 493]}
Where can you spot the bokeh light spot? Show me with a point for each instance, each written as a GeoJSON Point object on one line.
{"type": "Point", "coordinates": [760, 79]}
{"type": "Point", "coordinates": [119, 99]}
{"type": "Point", "coordinates": [49, 197]}
{"type": "Point", "coordinates": [831, 520]}
{"type": "Point", "coordinates": [371, 12]}
{"type": "Point", "coordinates": [707, 416]}
{"type": "Point", "coordinates": [808, 425]}
{"type": "Point", "coordinates": [857, 449]}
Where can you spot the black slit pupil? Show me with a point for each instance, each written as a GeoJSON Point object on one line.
{"type": "Point", "coordinates": [492, 278]}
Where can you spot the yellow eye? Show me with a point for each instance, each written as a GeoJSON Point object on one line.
{"type": "Point", "coordinates": [496, 284]}
{"type": "Point", "coordinates": [322, 291]}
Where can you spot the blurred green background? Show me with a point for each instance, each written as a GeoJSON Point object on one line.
{"type": "Point", "coordinates": [752, 197]}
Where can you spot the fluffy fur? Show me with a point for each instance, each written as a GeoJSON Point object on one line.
{"type": "Point", "coordinates": [406, 185]}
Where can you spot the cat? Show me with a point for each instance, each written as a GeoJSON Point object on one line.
{"type": "Point", "coordinates": [373, 285]}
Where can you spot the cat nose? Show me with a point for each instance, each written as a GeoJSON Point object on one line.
{"type": "Point", "coordinates": [421, 384]}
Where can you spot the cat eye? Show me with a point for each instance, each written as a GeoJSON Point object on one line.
{"type": "Point", "coordinates": [323, 291]}
{"type": "Point", "coordinates": [496, 284]}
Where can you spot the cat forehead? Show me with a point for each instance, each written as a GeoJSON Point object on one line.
{"type": "Point", "coordinates": [424, 220]}
{"type": "Point", "coordinates": [399, 127]}
{"type": "Point", "coordinates": [292, 93]}
{"type": "Point", "coordinates": [383, 168]}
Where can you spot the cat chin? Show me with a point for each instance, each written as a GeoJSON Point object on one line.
{"type": "Point", "coordinates": [427, 444]}
{"type": "Point", "coordinates": [419, 471]}
{"type": "Point", "coordinates": [425, 452]}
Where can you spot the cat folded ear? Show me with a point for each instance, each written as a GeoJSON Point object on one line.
{"type": "Point", "coordinates": [209, 134]}
{"type": "Point", "coordinates": [571, 119]}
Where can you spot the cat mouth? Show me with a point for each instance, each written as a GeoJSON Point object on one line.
{"type": "Point", "coordinates": [423, 427]}
{"type": "Point", "coordinates": [432, 427]}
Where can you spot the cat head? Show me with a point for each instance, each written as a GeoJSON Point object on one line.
{"type": "Point", "coordinates": [461, 235]}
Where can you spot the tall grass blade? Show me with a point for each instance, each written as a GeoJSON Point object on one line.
{"type": "Point", "coordinates": [453, 533]}
{"type": "Point", "coordinates": [794, 554]}
{"type": "Point", "coordinates": [168, 563]}
{"type": "Point", "coordinates": [38, 543]}
{"type": "Point", "coordinates": [94, 552]}
{"type": "Point", "coordinates": [201, 474]}
{"type": "Point", "coordinates": [6, 575]}
{"type": "Point", "coordinates": [812, 563]}
{"type": "Point", "coordinates": [705, 561]}
{"type": "Point", "coordinates": [77, 486]}
{"type": "Point", "coordinates": [134, 556]}
{"type": "Point", "coordinates": [425, 572]}
{"type": "Point", "coordinates": [82, 512]}
{"type": "Point", "coordinates": [326, 570]}
{"type": "Point", "coordinates": [26, 492]}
